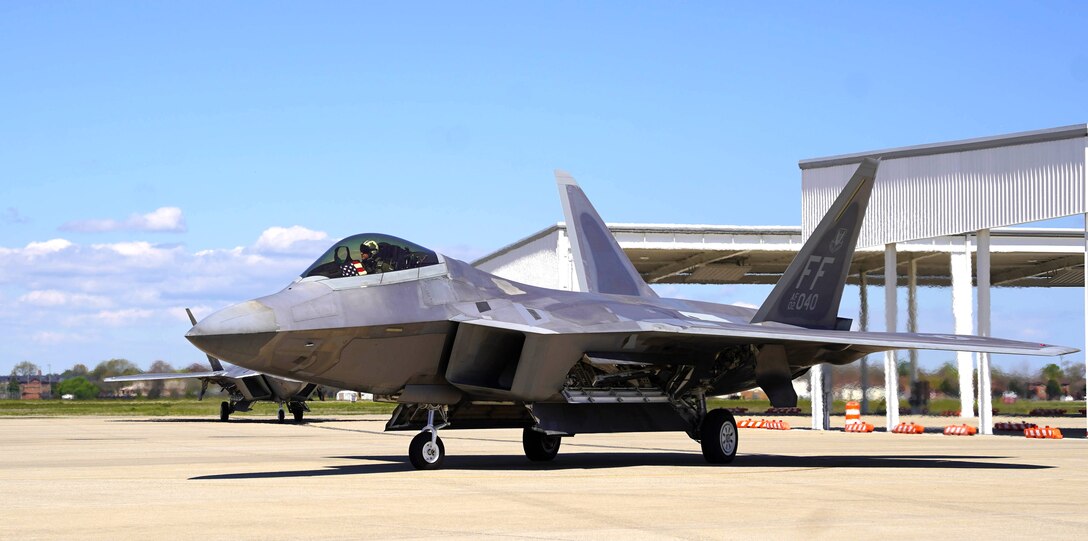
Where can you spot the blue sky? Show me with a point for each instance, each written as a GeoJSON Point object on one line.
{"type": "Point", "coordinates": [161, 155]}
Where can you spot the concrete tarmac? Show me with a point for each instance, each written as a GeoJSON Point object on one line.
{"type": "Point", "coordinates": [180, 478]}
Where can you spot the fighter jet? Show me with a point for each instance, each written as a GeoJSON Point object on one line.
{"type": "Point", "coordinates": [456, 347]}
{"type": "Point", "coordinates": [244, 387]}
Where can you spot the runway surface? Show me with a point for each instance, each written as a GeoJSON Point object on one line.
{"type": "Point", "coordinates": [153, 478]}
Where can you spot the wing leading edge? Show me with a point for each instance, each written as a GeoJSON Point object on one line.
{"type": "Point", "coordinates": [867, 342]}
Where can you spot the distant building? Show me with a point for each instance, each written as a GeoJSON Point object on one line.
{"type": "Point", "coordinates": [30, 387]}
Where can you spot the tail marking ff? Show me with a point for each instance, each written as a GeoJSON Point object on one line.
{"type": "Point", "coordinates": [809, 292]}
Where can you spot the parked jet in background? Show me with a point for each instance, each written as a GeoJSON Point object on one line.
{"type": "Point", "coordinates": [382, 315]}
{"type": "Point", "coordinates": [243, 385]}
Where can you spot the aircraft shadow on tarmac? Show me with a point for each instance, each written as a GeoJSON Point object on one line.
{"type": "Point", "coordinates": [396, 463]}
{"type": "Point", "coordinates": [233, 421]}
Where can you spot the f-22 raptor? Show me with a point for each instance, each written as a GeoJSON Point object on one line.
{"type": "Point", "coordinates": [457, 347]}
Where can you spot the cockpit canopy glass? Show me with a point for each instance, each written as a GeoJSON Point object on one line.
{"type": "Point", "coordinates": [370, 253]}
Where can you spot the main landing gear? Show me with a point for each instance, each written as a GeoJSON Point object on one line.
{"type": "Point", "coordinates": [426, 451]}
{"type": "Point", "coordinates": [718, 437]}
{"type": "Point", "coordinates": [539, 447]}
{"type": "Point", "coordinates": [225, 410]}
{"type": "Point", "coordinates": [297, 410]}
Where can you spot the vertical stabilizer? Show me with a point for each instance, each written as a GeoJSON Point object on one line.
{"type": "Point", "coordinates": [600, 266]}
{"type": "Point", "coordinates": [809, 292]}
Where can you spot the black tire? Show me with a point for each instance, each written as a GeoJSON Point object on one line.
{"type": "Point", "coordinates": [298, 414]}
{"type": "Point", "coordinates": [540, 447]}
{"type": "Point", "coordinates": [422, 455]}
{"type": "Point", "coordinates": [224, 410]}
{"type": "Point", "coordinates": [719, 437]}
{"type": "Point", "coordinates": [280, 415]}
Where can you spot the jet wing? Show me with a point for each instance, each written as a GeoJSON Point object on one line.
{"type": "Point", "coordinates": [174, 375]}
{"type": "Point", "coordinates": [711, 333]}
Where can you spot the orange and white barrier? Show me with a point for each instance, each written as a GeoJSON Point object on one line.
{"type": "Point", "coordinates": [859, 426]}
{"type": "Point", "coordinates": [1018, 427]}
{"type": "Point", "coordinates": [908, 428]}
{"type": "Point", "coordinates": [960, 430]}
{"type": "Point", "coordinates": [751, 423]}
{"type": "Point", "coordinates": [1043, 433]}
{"type": "Point", "coordinates": [760, 423]}
{"type": "Point", "coordinates": [776, 425]}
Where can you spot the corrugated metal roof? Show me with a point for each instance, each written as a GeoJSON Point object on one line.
{"type": "Point", "coordinates": [997, 141]}
{"type": "Point", "coordinates": [958, 187]}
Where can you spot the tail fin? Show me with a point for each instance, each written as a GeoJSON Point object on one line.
{"type": "Point", "coordinates": [211, 360]}
{"type": "Point", "coordinates": [809, 292]}
{"type": "Point", "coordinates": [600, 265]}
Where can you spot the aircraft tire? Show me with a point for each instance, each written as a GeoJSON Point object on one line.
{"type": "Point", "coordinates": [280, 415]}
{"type": "Point", "coordinates": [540, 447]}
{"type": "Point", "coordinates": [424, 455]}
{"type": "Point", "coordinates": [719, 437]}
{"type": "Point", "coordinates": [224, 410]}
{"type": "Point", "coordinates": [298, 415]}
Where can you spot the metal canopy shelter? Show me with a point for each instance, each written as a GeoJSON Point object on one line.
{"type": "Point", "coordinates": [964, 187]}
{"type": "Point", "coordinates": [682, 254]}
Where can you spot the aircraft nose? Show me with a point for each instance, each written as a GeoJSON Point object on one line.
{"type": "Point", "coordinates": [236, 333]}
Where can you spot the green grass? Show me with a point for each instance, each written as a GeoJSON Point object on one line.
{"type": "Point", "coordinates": [143, 407]}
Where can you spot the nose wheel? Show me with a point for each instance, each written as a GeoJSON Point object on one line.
{"type": "Point", "coordinates": [426, 452]}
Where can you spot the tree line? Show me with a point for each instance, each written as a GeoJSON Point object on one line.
{"type": "Point", "coordinates": [85, 383]}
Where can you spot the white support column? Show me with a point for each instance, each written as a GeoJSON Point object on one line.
{"type": "Point", "coordinates": [891, 370]}
{"type": "Point", "coordinates": [961, 314]}
{"type": "Point", "coordinates": [821, 411]}
{"type": "Point", "coordinates": [863, 325]}
{"type": "Point", "coordinates": [985, 402]}
{"type": "Point", "coordinates": [912, 326]}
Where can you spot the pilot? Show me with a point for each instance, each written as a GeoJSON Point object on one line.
{"type": "Point", "coordinates": [366, 259]}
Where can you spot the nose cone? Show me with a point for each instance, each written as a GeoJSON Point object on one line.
{"type": "Point", "coordinates": [236, 333]}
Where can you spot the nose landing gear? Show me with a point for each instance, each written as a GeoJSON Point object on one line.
{"type": "Point", "coordinates": [426, 452]}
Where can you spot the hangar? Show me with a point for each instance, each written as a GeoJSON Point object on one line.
{"type": "Point", "coordinates": [938, 216]}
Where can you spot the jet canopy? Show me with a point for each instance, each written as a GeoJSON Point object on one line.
{"type": "Point", "coordinates": [370, 253]}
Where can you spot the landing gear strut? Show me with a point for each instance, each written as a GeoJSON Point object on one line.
{"type": "Point", "coordinates": [539, 447]}
{"type": "Point", "coordinates": [426, 451]}
{"type": "Point", "coordinates": [718, 437]}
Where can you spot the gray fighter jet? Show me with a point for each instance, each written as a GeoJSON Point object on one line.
{"type": "Point", "coordinates": [457, 347]}
{"type": "Point", "coordinates": [244, 387]}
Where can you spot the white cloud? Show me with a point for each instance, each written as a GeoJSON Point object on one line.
{"type": "Point", "coordinates": [163, 219]}
{"type": "Point", "coordinates": [52, 338]}
{"type": "Point", "coordinates": [46, 247]}
{"type": "Point", "coordinates": [53, 297]}
{"type": "Point", "coordinates": [124, 316]}
{"type": "Point", "coordinates": [96, 300]}
{"type": "Point", "coordinates": [288, 239]}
